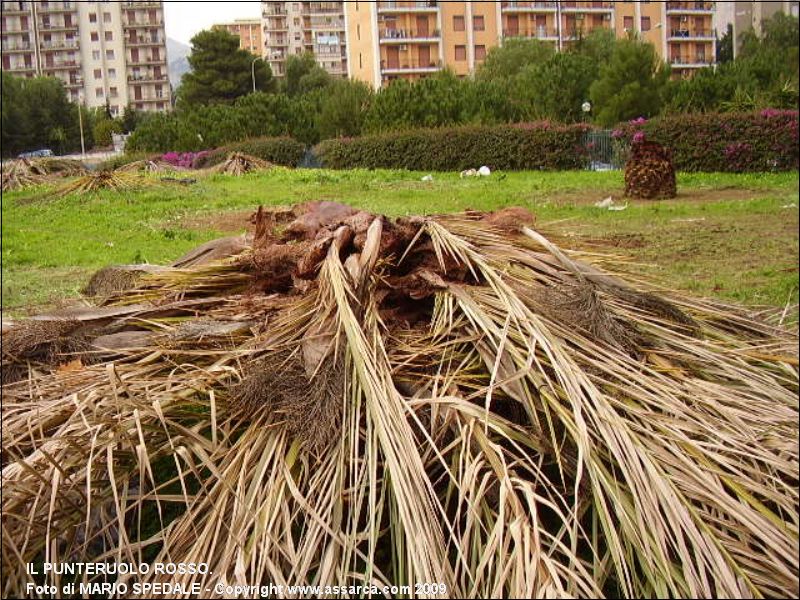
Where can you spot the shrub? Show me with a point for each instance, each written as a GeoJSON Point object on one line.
{"type": "Point", "coordinates": [504, 147]}
{"type": "Point", "coordinates": [280, 151]}
{"type": "Point", "coordinates": [729, 142]}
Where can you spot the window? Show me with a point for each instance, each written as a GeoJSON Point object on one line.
{"type": "Point", "coordinates": [358, 32]}
{"type": "Point", "coordinates": [109, 35]}
{"type": "Point", "coordinates": [360, 61]}
{"type": "Point", "coordinates": [98, 73]}
{"type": "Point", "coordinates": [98, 92]}
{"type": "Point", "coordinates": [628, 23]}
{"type": "Point", "coordinates": [112, 73]}
{"type": "Point", "coordinates": [95, 54]}
{"type": "Point", "coordinates": [95, 36]}
{"type": "Point", "coordinates": [458, 23]}
{"type": "Point", "coordinates": [478, 23]}
{"type": "Point", "coordinates": [109, 55]}
{"type": "Point", "coordinates": [645, 23]}
{"type": "Point", "coordinates": [106, 17]}
{"type": "Point", "coordinates": [113, 92]}
{"type": "Point", "coordinates": [114, 110]}
{"type": "Point", "coordinates": [92, 17]}
{"type": "Point", "coordinates": [480, 52]}
{"type": "Point", "coordinates": [461, 53]}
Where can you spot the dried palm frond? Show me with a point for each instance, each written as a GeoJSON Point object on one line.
{"type": "Point", "coordinates": [22, 173]}
{"type": "Point", "coordinates": [149, 165]}
{"type": "Point", "coordinates": [65, 167]}
{"type": "Point", "coordinates": [425, 400]}
{"type": "Point", "coordinates": [99, 180]}
{"type": "Point", "coordinates": [238, 164]}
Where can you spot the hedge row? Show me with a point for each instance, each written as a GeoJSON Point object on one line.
{"type": "Point", "coordinates": [283, 151]}
{"type": "Point", "coordinates": [528, 146]}
{"type": "Point", "coordinates": [725, 142]}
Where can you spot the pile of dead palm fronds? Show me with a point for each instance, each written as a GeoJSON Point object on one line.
{"type": "Point", "coordinates": [650, 172]}
{"type": "Point", "coordinates": [239, 164]}
{"type": "Point", "coordinates": [21, 173]}
{"type": "Point", "coordinates": [148, 165]}
{"type": "Point", "coordinates": [96, 181]}
{"type": "Point", "coordinates": [63, 167]}
{"type": "Point", "coordinates": [361, 401]}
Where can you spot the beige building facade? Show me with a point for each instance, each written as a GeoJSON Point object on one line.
{"type": "Point", "coordinates": [392, 40]}
{"type": "Point", "coordinates": [106, 53]}
{"type": "Point", "coordinates": [249, 32]}
{"type": "Point", "coordinates": [298, 27]}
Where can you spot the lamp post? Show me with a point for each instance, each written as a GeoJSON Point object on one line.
{"type": "Point", "coordinates": [586, 107]}
{"type": "Point", "coordinates": [80, 124]}
{"type": "Point", "coordinates": [253, 70]}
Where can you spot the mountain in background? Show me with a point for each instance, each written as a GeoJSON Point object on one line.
{"type": "Point", "coordinates": [178, 63]}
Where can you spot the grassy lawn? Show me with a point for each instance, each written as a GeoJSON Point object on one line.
{"type": "Point", "coordinates": [730, 236]}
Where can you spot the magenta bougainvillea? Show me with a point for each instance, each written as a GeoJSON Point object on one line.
{"type": "Point", "coordinates": [184, 160]}
{"type": "Point", "coordinates": [766, 140]}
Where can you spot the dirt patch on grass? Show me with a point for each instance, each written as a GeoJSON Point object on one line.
{"type": "Point", "coordinates": [692, 195]}
{"type": "Point", "coordinates": [234, 221]}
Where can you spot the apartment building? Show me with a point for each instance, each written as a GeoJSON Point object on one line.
{"type": "Point", "coordinates": [249, 32]}
{"type": "Point", "coordinates": [106, 53]}
{"type": "Point", "coordinates": [299, 27]}
{"type": "Point", "coordinates": [391, 40]}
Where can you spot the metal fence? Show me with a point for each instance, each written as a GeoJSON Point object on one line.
{"type": "Point", "coordinates": [603, 151]}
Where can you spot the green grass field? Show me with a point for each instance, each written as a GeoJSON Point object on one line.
{"type": "Point", "coordinates": [729, 236]}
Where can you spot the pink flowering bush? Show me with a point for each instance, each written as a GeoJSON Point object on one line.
{"type": "Point", "coordinates": [184, 160]}
{"type": "Point", "coordinates": [726, 142]}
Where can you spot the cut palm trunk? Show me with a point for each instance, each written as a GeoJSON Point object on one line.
{"type": "Point", "coordinates": [360, 401]}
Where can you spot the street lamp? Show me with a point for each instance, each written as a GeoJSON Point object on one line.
{"type": "Point", "coordinates": [80, 123]}
{"type": "Point", "coordinates": [586, 107]}
{"type": "Point", "coordinates": [253, 71]}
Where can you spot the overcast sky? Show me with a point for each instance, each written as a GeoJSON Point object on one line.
{"type": "Point", "coordinates": [184, 19]}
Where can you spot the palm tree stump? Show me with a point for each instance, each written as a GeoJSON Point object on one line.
{"type": "Point", "coordinates": [650, 173]}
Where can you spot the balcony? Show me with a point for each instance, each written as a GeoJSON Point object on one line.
{"type": "Point", "coordinates": [519, 7]}
{"type": "Point", "coordinates": [594, 7]}
{"type": "Point", "coordinates": [12, 8]}
{"type": "Point", "coordinates": [407, 7]}
{"type": "Point", "coordinates": [74, 83]}
{"type": "Point", "coordinates": [56, 7]}
{"type": "Point", "coordinates": [144, 41]}
{"type": "Point", "coordinates": [541, 33]}
{"type": "Point", "coordinates": [142, 5]}
{"type": "Point", "coordinates": [279, 42]}
{"type": "Point", "coordinates": [60, 65]}
{"type": "Point", "coordinates": [140, 24]}
{"type": "Point", "coordinates": [58, 27]}
{"type": "Point", "coordinates": [324, 8]}
{"type": "Point", "coordinates": [326, 25]}
{"type": "Point", "coordinates": [276, 26]}
{"type": "Point", "coordinates": [54, 46]}
{"type": "Point", "coordinates": [21, 68]}
{"type": "Point", "coordinates": [18, 47]}
{"type": "Point", "coordinates": [690, 8]}
{"type": "Point", "coordinates": [692, 34]}
{"type": "Point", "coordinates": [409, 66]}
{"type": "Point", "coordinates": [688, 62]}
{"type": "Point", "coordinates": [408, 36]}
{"type": "Point", "coordinates": [144, 60]}
{"type": "Point", "coordinates": [148, 78]}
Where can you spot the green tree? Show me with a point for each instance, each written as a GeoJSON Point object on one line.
{"type": "Point", "coordinates": [344, 107]}
{"type": "Point", "coordinates": [104, 127]}
{"type": "Point", "coordinates": [221, 71]}
{"type": "Point", "coordinates": [555, 89]}
{"type": "Point", "coordinates": [506, 61]}
{"type": "Point", "coordinates": [725, 46]}
{"type": "Point", "coordinates": [303, 75]}
{"type": "Point", "coordinates": [631, 84]}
